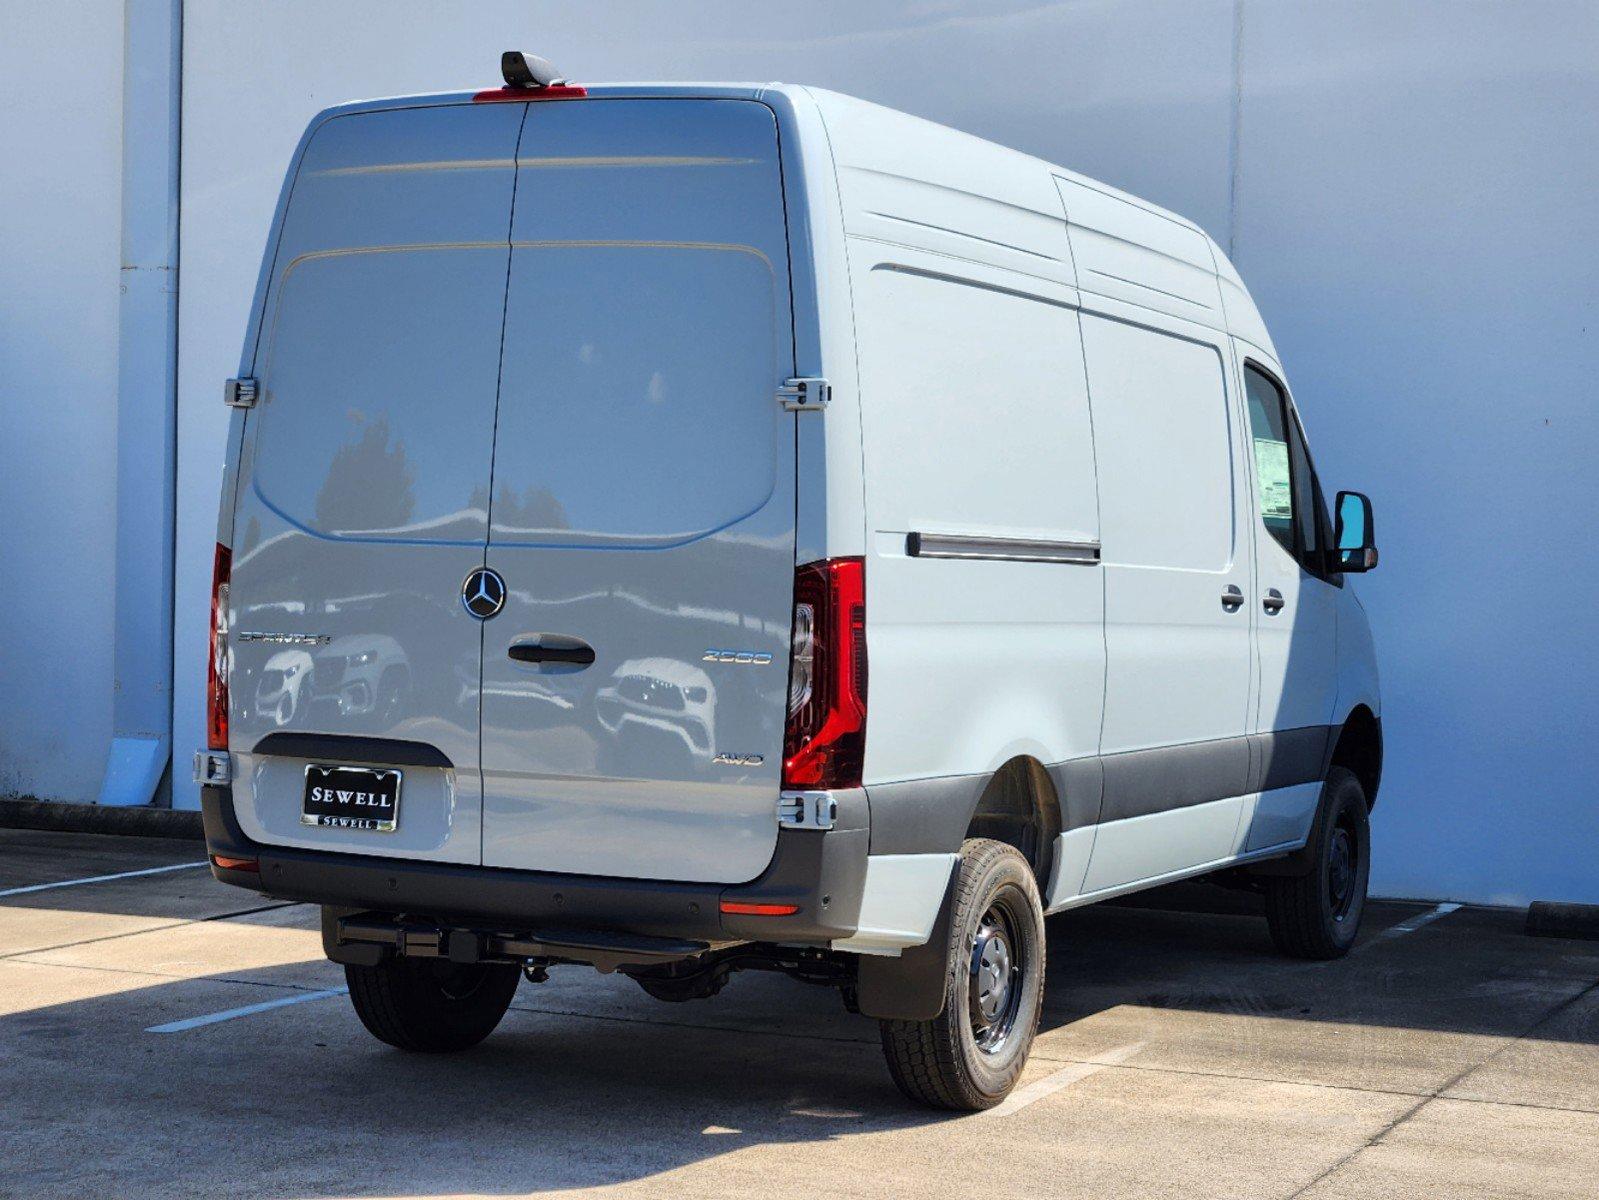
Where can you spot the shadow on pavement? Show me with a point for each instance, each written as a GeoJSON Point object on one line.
{"type": "Point", "coordinates": [589, 1082]}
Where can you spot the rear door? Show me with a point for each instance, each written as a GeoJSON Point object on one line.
{"type": "Point", "coordinates": [634, 684]}
{"type": "Point", "coordinates": [362, 500]}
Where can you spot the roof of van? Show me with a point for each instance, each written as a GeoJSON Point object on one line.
{"type": "Point", "coordinates": [965, 163]}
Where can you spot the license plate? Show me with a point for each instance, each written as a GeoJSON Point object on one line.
{"type": "Point", "coordinates": [351, 798]}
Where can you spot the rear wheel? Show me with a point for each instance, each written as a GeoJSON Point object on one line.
{"type": "Point", "coordinates": [970, 1055]}
{"type": "Point", "coordinates": [1317, 915]}
{"type": "Point", "coordinates": [431, 1004]}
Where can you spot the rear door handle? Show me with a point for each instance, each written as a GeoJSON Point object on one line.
{"type": "Point", "coordinates": [1232, 597]}
{"type": "Point", "coordinates": [574, 654]}
{"type": "Point", "coordinates": [1273, 601]}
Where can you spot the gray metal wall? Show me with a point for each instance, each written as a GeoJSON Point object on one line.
{"type": "Point", "coordinates": [60, 232]}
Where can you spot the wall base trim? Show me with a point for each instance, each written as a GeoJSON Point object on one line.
{"type": "Point", "coordinates": [58, 816]}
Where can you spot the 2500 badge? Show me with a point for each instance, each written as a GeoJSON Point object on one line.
{"type": "Point", "coordinates": [351, 798]}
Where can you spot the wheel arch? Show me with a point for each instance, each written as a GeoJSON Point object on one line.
{"type": "Point", "coordinates": [1358, 748]}
{"type": "Point", "coordinates": [1018, 804]}
{"type": "Point", "coordinates": [1021, 807]}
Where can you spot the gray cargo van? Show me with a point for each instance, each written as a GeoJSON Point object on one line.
{"type": "Point", "coordinates": [587, 446]}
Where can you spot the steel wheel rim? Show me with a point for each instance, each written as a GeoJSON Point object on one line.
{"type": "Point", "coordinates": [996, 976]}
{"type": "Point", "coordinates": [1342, 870]}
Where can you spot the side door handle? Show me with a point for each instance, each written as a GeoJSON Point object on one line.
{"type": "Point", "coordinates": [1232, 597]}
{"type": "Point", "coordinates": [579, 654]}
{"type": "Point", "coordinates": [1273, 601]}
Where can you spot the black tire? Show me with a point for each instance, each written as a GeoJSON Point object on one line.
{"type": "Point", "coordinates": [970, 1056]}
{"type": "Point", "coordinates": [1317, 915]}
{"type": "Point", "coordinates": [431, 1005]}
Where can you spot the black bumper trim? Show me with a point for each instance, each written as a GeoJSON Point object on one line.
{"type": "Point", "coordinates": [821, 873]}
{"type": "Point", "coordinates": [339, 748]}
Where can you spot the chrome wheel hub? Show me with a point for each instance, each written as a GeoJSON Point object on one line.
{"type": "Point", "coordinates": [993, 974]}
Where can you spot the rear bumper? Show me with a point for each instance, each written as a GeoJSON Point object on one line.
{"type": "Point", "coordinates": [822, 874]}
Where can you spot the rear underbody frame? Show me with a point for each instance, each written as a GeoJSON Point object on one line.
{"type": "Point", "coordinates": [669, 968]}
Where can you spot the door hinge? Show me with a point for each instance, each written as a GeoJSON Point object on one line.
{"type": "Point", "coordinates": [239, 393]}
{"type": "Point", "coordinates": [213, 768]}
{"type": "Point", "coordinates": [806, 810]}
{"type": "Point", "coordinates": [805, 393]}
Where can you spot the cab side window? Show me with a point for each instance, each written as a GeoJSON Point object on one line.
{"type": "Point", "coordinates": [1317, 553]}
{"type": "Point", "coordinates": [1304, 496]}
{"type": "Point", "coordinates": [1291, 504]}
{"type": "Point", "coordinates": [1268, 426]}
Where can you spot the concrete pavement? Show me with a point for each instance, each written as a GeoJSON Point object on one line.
{"type": "Point", "coordinates": [1178, 1057]}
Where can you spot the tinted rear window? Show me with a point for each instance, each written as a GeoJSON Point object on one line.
{"type": "Point", "coordinates": [647, 327]}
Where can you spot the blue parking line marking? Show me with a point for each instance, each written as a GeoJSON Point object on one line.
{"type": "Point", "coordinates": [249, 1010]}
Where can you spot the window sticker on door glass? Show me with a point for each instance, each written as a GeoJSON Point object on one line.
{"type": "Point", "coordinates": [1276, 491]}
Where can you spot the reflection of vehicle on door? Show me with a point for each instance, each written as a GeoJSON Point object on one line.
{"type": "Point", "coordinates": [362, 674]}
{"type": "Point", "coordinates": [654, 429]}
{"type": "Point", "coordinates": [285, 676]}
{"type": "Point", "coordinates": [669, 699]}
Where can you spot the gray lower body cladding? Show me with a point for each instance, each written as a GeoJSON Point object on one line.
{"type": "Point", "coordinates": [821, 873]}
{"type": "Point", "coordinates": [927, 816]}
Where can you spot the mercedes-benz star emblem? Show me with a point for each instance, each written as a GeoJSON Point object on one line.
{"type": "Point", "coordinates": [483, 593]}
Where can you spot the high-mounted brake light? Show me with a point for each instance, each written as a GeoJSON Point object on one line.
{"type": "Point", "coordinates": [565, 91]}
{"type": "Point", "coordinates": [825, 743]}
{"type": "Point", "coordinates": [216, 684]}
{"type": "Point", "coordinates": [529, 77]}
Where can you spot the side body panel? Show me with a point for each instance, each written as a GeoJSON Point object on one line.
{"type": "Point", "coordinates": [974, 428]}
{"type": "Point", "coordinates": [1179, 663]}
{"type": "Point", "coordinates": [1172, 787]}
{"type": "Point", "coordinates": [974, 660]}
{"type": "Point", "coordinates": [1358, 681]}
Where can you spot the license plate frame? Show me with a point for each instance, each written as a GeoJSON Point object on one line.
{"type": "Point", "coordinates": [355, 800]}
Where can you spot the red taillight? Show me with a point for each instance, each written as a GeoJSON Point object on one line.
{"type": "Point", "coordinates": [738, 908]}
{"type": "Point", "coordinates": [825, 743]}
{"type": "Point", "coordinates": [555, 91]}
{"type": "Point", "coordinates": [216, 682]}
{"type": "Point", "coordinates": [223, 862]}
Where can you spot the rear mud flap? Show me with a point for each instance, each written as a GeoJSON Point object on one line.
{"type": "Point", "coordinates": [911, 986]}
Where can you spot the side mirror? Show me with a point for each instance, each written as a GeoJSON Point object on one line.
{"type": "Point", "coordinates": [1356, 537]}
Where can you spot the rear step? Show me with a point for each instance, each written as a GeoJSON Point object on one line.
{"type": "Point", "coordinates": [365, 939]}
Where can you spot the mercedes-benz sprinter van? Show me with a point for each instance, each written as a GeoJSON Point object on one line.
{"type": "Point", "coordinates": [682, 529]}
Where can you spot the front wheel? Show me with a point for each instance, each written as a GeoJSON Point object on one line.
{"type": "Point", "coordinates": [431, 1004]}
{"type": "Point", "coordinates": [970, 1055]}
{"type": "Point", "coordinates": [1317, 915]}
